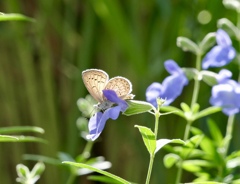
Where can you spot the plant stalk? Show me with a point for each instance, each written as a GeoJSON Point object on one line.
{"type": "Point", "coordinates": [157, 115]}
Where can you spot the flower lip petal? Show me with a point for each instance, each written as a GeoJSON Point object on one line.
{"type": "Point", "coordinates": [98, 121]}
{"type": "Point", "coordinates": [112, 97]}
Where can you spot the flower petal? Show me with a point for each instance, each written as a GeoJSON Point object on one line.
{"type": "Point", "coordinates": [94, 126]}
{"type": "Point", "coordinates": [112, 96]}
{"type": "Point", "coordinates": [226, 96]}
{"type": "Point", "coordinates": [98, 121]}
{"type": "Point", "coordinates": [218, 56]}
{"type": "Point", "coordinates": [223, 39]}
{"type": "Point", "coordinates": [223, 75]}
{"type": "Point", "coordinates": [172, 87]}
{"type": "Point", "coordinates": [153, 92]}
{"type": "Point", "coordinates": [172, 67]}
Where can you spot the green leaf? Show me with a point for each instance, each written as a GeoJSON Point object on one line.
{"type": "Point", "coordinates": [22, 171]}
{"type": "Point", "coordinates": [38, 169]}
{"type": "Point", "coordinates": [137, 107]}
{"type": "Point", "coordinates": [41, 158]}
{"type": "Point", "coordinates": [194, 141]}
{"type": "Point", "coordinates": [206, 182]}
{"type": "Point", "coordinates": [233, 163]}
{"type": "Point", "coordinates": [7, 138]}
{"type": "Point", "coordinates": [206, 112]}
{"type": "Point", "coordinates": [173, 110]}
{"type": "Point", "coordinates": [117, 178]}
{"type": "Point", "coordinates": [103, 179]}
{"type": "Point", "coordinates": [215, 132]}
{"type": "Point", "coordinates": [14, 17]}
{"type": "Point", "coordinates": [191, 73]}
{"type": "Point", "coordinates": [148, 138]}
{"type": "Point", "coordinates": [22, 138]}
{"type": "Point", "coordinates": [230, 28]}
{"type": "Point", "coordinates": [187, 45]}
{"type": "Point", "coordinates": [196, 165]}
{"type": "Point", "coordinates": [232, 4]}
{"type": "Point", "coordinates": [17, 129]}
{"type": "Point", "coordinates": [208, 41]}
{"type": "Point", "coordinates": [163, 142]}
{"type": "Point", "coordinates": [185, 107]}
{"type": "Point", "coordinates": [170, 159]}
{"type": "Point", "coordinates": [209, 77]}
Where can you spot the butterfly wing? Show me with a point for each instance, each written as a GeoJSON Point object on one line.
{"type": "Point", "coordinates": [95, 81]}
{"type": "Point", "coordinates": [122, 86]}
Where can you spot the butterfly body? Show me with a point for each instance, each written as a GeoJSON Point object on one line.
{"type": "Point", "coordinates": [97, 80]}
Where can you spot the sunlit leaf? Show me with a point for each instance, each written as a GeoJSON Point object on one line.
{"type": "Point", "coordinates": [187, 45]}
{"type": "Point", "coordinates": [14, 17]}
{"type": "Point", "coordinates": [137, 107]}
{"type": "Point", "coordinates": [7, 138]}
{"type": "Point", "coordinates": [208, 41]}
{"type": "Point", "coordinates": [207, 112]}
{"type": "Point", "coordinates": [170, 159]}
{"type": "Point", "coordinates": [17, 129]}
{"type": "Point", "coordinates": [148, 138]}
{"type": "Point", "coordinates": [215, 132]}
{"type": "Point", "coordinates": [163, 142]}
{"type": "Point", "coordinates": [173, 110]}
{"type": "Point", "coordinates": [103, 179]}
{"type": "Point", "coordinates": [117, 178]}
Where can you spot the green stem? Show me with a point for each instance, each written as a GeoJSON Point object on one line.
{"type": "Point", "coordinates": [157, 115]}
{"type": "Point", "coordinates": [150, 168]}
{"type": "Point", "coordinates": [229, 131]}
{"type": "Point", "coordinates": [189, 123]}
{"type": "Point", "coordinates": [186, 135]}
{"type": "Point", "coordinates": [196, 82]}
{"type": "Point", "coordinates": [71, 178]}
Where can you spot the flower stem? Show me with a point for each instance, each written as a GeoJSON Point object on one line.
{"type": "Point", "coordinates": [150, 166]}
{"type": "Point", "coordinates": [228, 135]}
{"type": "Point", "coordinates": [189, 123]}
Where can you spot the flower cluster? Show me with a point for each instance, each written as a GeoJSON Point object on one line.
{"type": "Point", "coordinates": [170, 88]}
{"type": "Point", "coordinates": [226, 93]}
{"type": "Point", "coordinates": [221, 54]}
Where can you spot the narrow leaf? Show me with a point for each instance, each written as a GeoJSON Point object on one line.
{"type": "Point", "coordinates": [206, 112]}
{"type": "Point", "coordinates": [215, 132]}
{"type": "Point", "coordinates": [187, 45]}
{"type": "Point", "coordinates": [14, 17]}
{"type": "Point", "coordinates": [208, 41]}
{"type": "Point", "coordinates": [17, 129]}
{"type": "Point", "coordinates": [22, 138]}
{"type": "Point", "coordinates": [210, 78]}
{"type": "Point", "coordinates": [7, 138]}
{"type": "Point", "coordinates": [174, 110]}
{"type": "Point", "coordinates": [148, 138]}
{"type": "Point", "coordinates": [137, 107]}
{"type": "Point", "coordinates": [117, 178]}
{"type": "Point", "coordinates": [170, 159]}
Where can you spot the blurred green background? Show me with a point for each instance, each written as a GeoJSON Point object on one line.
{"type": "Point", "coordinates": [41, 65]}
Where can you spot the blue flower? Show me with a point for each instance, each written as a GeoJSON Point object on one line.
{"type": "Point", "coordinates": [226, 93]}
{"type": "Point", "coordinates": [221, 54]}
{"type": "Point", "coordinates": [170, 88]}
{"type": "Point", "coordinates": [98, 121]}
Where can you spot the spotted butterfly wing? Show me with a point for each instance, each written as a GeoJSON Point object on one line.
{"type": "Point", "coordinates": [121, 86]}
{"type": "Point", "coordinates": [95, 81]}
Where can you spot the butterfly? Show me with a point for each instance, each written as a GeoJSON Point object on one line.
{"type": "Point", "coordinates": [97, 80]}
